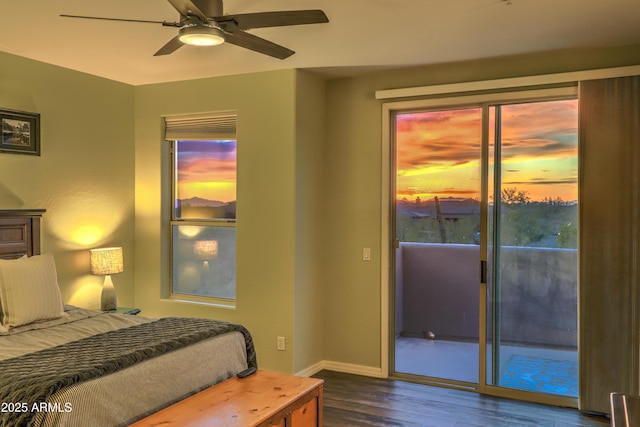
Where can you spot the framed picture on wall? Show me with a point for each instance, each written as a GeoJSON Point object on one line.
{"type": "Point", "coordinates": [20, 132]}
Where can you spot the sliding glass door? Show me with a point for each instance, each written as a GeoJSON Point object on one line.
{"type": "Point", "coordinates": [437, 227]}
{"type": "Point", "coordinates": [485, 232]}
{"type": "Point", "coordinates": [532, 305]}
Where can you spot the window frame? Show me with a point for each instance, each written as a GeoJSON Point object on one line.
{"type": "Point", "coordinates": [173, 221]}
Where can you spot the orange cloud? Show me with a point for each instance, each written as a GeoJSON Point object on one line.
{"type": "Point", "coordinates": [438, 152]}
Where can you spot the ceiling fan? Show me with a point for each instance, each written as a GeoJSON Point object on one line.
{"type": "Point", "coordinates": [202, 23]}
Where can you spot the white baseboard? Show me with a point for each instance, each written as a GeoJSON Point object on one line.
{"type": "Point", "coordinates": [311, 370]}
{"type": "Point", "coordinates": [348, 368]}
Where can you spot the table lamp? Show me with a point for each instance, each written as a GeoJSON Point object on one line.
{"type": "Point", "coordinates": [107, 261]}
{"type": "Point", "coordinates": [205, 250]}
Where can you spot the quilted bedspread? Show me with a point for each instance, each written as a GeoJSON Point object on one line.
{"type": "Point", "coordinates": [28, 381]}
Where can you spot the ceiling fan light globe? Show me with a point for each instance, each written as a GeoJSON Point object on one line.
{"type": "Point", "coordinates": [201, 35]}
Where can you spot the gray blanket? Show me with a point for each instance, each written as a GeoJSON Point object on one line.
{"type": "Point", "coordinates": [27, 381]}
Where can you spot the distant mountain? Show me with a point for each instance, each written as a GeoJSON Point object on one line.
{"type": "Point", "coordinates": [200, 202]}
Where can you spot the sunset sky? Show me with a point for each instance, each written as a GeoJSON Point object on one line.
{"type": "Point", "coordinates": [207, 169]}
{"type": "Point", "coordinates": [438, 153]}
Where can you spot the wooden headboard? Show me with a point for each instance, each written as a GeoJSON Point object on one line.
{"type": "Point", "coordinates": [20, 232]}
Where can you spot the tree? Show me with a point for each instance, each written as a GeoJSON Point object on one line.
{"type": "Point", "coordinates": [521, 224]}
{"type": "Point", "coordinates": [568, 236]}
{"type": "Point", "coordinates": [513, 196]}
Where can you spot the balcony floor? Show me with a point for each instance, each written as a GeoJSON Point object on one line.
{"type": "Point", "coordinates": [528, 368]}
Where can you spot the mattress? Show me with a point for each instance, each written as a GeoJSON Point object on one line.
{"type": "Point", "coordinates": [132, 393]}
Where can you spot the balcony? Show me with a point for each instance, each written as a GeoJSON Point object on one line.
{"type": "Point", "coordinates": [437, 291]}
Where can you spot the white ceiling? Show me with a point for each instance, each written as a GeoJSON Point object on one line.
{"type": "Point", "coordinates": [361, 34]}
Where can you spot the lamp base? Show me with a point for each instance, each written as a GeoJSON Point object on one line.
{"type": "Point", "coordinates": [108, 300]}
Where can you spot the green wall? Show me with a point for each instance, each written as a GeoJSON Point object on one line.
{"type": "Point", "coordinates": [309, 312]}
{"type": "Point", "coordinates": [266, 227]}
{"type": "Point", "coordinates": [353, 176]}
{"type": "Point", "coordinates": [84, 176]}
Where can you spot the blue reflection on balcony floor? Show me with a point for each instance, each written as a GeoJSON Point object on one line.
{"type": "Point", "coordinates": [541, 375]}
{"type": "Point", "coordinates": [537, 369]}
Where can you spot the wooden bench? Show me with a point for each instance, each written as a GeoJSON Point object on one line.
{"type": "Point", "coordinates": [262, 399]}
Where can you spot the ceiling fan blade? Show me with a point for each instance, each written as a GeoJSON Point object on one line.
{"type": "Point", "coordinates": [187, 8]}
{"type": "Point", "coordinates": [165, 23]}
{"type": "Point", "coordinates": [173, 45]}
{"type": "Point", "coordinates": [246, 21]}
{"type": "Point", "coordinates": [258, 44]}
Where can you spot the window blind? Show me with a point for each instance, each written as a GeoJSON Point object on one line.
{"type": "Point", "coordinates": [609, 240]}
{"type": "Point", "coordinates": [201, 127]}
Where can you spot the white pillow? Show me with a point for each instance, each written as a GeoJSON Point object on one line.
{"type": "Point", "coordinates": [4, 330]}
{"type": "Point", "coordinates": [29, 290]}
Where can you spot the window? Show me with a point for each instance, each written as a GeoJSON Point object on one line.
{"type": "Point", "coordinates": [203, 209]}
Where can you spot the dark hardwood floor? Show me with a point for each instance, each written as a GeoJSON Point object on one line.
{"type": "Point", "coordinates": [353, 400]}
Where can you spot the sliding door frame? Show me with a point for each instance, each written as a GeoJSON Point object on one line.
{"type": "Point", "coordinates": [484, 101]}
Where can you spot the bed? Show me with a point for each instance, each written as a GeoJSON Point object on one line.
{"type": "Point", "coordinates": [67, 366]}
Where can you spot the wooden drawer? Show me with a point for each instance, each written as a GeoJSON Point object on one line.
{"type": "Point", "coordinates": [261, 400]}
{"type": "Point", "coordinates": [306, 415]}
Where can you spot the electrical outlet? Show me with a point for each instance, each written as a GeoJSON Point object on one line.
{"type": "Point", "coordinates": [281, 344]}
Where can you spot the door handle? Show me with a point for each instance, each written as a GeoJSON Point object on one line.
{"type": "Point", "coordinates": [483, 271]}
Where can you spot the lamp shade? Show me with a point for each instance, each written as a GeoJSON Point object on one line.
{"type": "Point", "coordinates": [206, 249]}
{"type": "Point", "coordinates": [106, 261]}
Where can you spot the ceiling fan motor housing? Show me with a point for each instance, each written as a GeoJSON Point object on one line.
{"type": "Point", "coordinates": [210, 8]}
